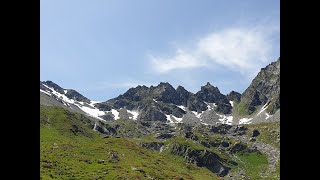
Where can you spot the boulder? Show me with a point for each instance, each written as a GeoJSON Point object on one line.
{"type": "Point", "coordinates": [255, 133]}
{"type": "Point", "coordinates": [201, 158]}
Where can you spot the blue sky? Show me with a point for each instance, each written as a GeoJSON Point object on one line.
{"type": "Point", "coordinates": [101, 48]}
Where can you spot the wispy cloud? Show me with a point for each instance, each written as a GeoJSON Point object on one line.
{"type": "Point", "coordinates": [241, 49]}
{"type": "Point", "coordinates": [181, 60]}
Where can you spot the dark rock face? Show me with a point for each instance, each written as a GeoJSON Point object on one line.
{"type": "Point", "coordinates": [165, 93]}
{"type": "Point", "coordinates": [196, 104]}
{"type": "Point", "coordinates": [156, 146]}
{"type": "Point", "coordinates": [107, 117]}
{"type": "Point", "coordinates": [165, 136]}
{"type": "Point", "coordinates": [152, 114]}
{"type": "Point", "coordinates": [237, 148]}
{"type": "Point", "coordinates": [190, 135]}
{"type": "Point", "coordinates": [154, 102]}
{"type": "Point", "coordinates": [264, 87]}
{"type": "Point", "coordinates": [234, 96]}
{"type": "Point", "coordinates": [224, 106]}
{"type": "Point", "coordinates": [72, 94]}
{"type": "Point", "coordinates": [205, 144]}
{"type": "Point", "coordinates": [106, 130]}
{"type": "Point", "coordinates": [225, 144]}
{"type": "Point", "coordinates": [238, 130]}
{"type": "Point", "coordinates": [103, 106]}
{"type": "Point", "coordinates": [136, 94]}
{"type": "Point", "coordinates": [121, 103]}
{"type": "Point", "coordinates": [253, 140]}
{"type": "Point", "coordinates": [211, 94]}
{"type": "Point", "coordinates": [274, 105]}
{"type": "Point", "coordinates": [184, 95]}
{"type": "Point", "coordinates": [255, 133]}
{"type": "Point", "coordinates": [201, 158]}
{"type": "Point", "coordinates": [164, 99]}
{"type": "Point", "coordinates": [221, 128]}
{"type": "Point", "coordinates": [170, 109]}
{"type": "Point", "coordinates": [54, 86]}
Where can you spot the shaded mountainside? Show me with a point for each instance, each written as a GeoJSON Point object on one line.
{"type": "Point", "coordinates": [74, 147]}
{"type": "Point", "coordinates": [143, 97]}
{"type": "Point", "coordinates": [263, 90]}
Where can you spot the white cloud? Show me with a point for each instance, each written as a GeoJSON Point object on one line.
{"type": "Point", "coordinates": [181, 60]}
{"type": "Point", "coordinates": [240, 49]}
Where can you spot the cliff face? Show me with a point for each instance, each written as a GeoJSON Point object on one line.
{"type": "Point", "coordinates": [265, 88]}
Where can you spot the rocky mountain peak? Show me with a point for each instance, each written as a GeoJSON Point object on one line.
{"type": "Point", "coordinates": [209, 93]}
{"type": "Point", "coordinates": [167, 104]}
{"type": "Point", "coordinates": [166, 93]}
{"type": "Point", "coordinates": [164, 86]}
{"type": "Point", "coordinates": [184, 95]}
{"type": "Point", "coordinates": [54, 86]}
{"type": "Point", "coordinates": [69, 93]}
{"type": "Point", "coordinates": [264, 89]}
{"type": "Point", "coordinates": [72, 94]}
{"type": "Point", "coordinates": [234, 96]}
{"type": "Point", "coordinates": [208, 84]}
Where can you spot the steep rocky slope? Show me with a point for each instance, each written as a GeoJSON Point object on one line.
{"type": "Point", "coordinates": [263, 90]}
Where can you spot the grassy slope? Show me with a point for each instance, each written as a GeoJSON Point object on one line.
{"type": "Point", "coordinates": [269, 132]}
{"type": "Point", "coordinates": [65, 155]}
{"type": "Point", "coordinates": [71, 150]}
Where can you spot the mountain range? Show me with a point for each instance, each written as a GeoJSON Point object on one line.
{"type": "Point", "coordinates": [260, 102]}
{"type": "Point", "coordinates": [162, 132]}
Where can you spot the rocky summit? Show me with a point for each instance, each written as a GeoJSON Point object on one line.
{"type": "Point", "coordinates": [260, 102]}
{"type": "Point", "coordinates": [162, 132]}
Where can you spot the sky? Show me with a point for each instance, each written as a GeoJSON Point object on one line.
{"type": "Point", "coordinates": [101, 48]}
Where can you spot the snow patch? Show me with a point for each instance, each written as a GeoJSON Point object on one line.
{"type": "Point", "coordinates": [177, 119]}
{"type": "Point", "coordinates": [204, 123]}
{"type": "Point", "coordinates": [169, 119]}
{"type": "Point", "coordinates": [245, 121]}
{"type": "Point", "coordinates": [134, 113]}
{"type": "Point", "coordinates": [45, 92]}
{"type": "Point", "coordinates": [92, 112]}
{"type": "Point", "coordinates": [62, 96]}
{"type": "Point", "coordinates": [225, 119]}
{"type": "Point", "coordinates": [231, 102]}
{"type": "Point", "coordinates": [210, 106]}
{"type": "Point", "coordinates": [263, 109]}
{"type": "Point", "coordinates": [182, 107]}
{"type": "Point", "coordinates": [92, 103]}
{"type": "Point", "coordinates": [198, 115]}
{"type": "Point", "coordinates": [229, 120]}
{"type": "Point", "coordinates": [65, 91]}
{"type": "Point", "coordinates": [268, 115]}
{"type": "Point", "coordinates": [115, 113]}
